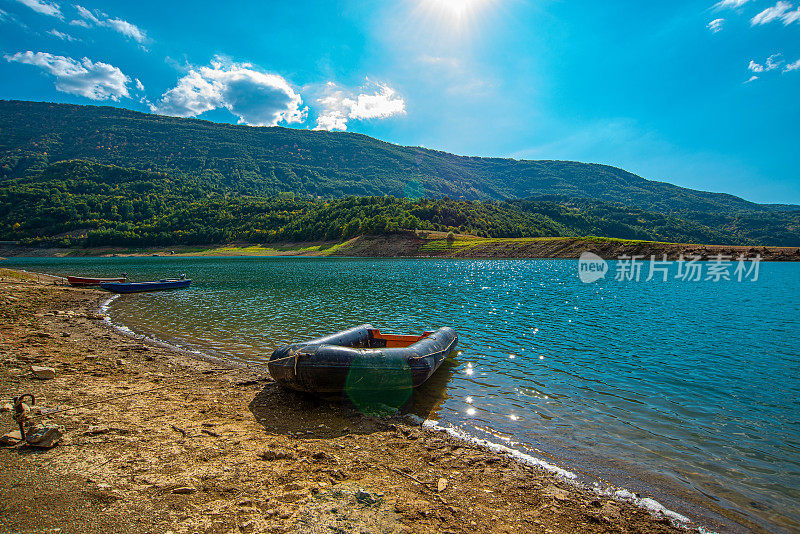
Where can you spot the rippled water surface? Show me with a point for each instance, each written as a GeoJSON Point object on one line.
{"type": "Point", "coordinates": [689, 392]}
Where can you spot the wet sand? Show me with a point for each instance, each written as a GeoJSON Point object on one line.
{"type": "Point", "coordinates": [228, 451]}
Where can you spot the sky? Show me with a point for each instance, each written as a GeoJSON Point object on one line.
{"type": "Point", "coordinates": [700, 94]}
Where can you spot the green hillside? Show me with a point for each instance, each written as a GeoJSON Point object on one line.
{"type": "Point", "coordinates": [85, 203]}
{"type": "Point", "coordinates": [267, 161]}
{"type": "Point", "coordinates": [99, 175]}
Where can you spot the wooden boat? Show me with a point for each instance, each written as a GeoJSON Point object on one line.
{"type": "Point", "coordinates": [80, 281]}
{"type": "Point", "coordinates": [361, 358]}
{"type": "Point", "coordinates": [139, 287]}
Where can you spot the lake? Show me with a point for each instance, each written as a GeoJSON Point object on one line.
{"type": "Point", "coordinates": [686, 391]}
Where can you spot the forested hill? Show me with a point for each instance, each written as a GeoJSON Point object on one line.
{"type": "Point", "coordinates": [268, 161]}
{"type": "Point", "coordinates": [83, 203]}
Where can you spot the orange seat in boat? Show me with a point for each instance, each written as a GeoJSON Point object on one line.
{"type": "Point", "coordinates": [394, 340]}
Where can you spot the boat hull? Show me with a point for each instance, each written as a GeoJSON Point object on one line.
{"type": "Point", "coordinates": [80, 281]}
{"type": "Point", "coordinates": [344, 362]}
{"type": "Point", "coordinates": [140, 287]}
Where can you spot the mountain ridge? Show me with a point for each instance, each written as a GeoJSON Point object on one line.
{"type": "Point", "coordinates": [271, 160]}
{"type": "Point", "coordinates": [104, 172]}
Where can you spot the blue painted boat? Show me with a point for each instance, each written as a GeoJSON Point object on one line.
{"type": "Point", "coordinates": [138, 287]}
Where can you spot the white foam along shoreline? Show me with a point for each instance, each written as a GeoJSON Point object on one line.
{"type": "Point", "coordinates": [651, 505]}
{"type": "Point", "coordinates": [104, 307]}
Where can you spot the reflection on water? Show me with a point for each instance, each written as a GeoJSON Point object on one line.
{"type": "Point", "coordinates": [688, 391]}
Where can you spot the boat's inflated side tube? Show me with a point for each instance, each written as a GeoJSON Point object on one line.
{"type": "Point", "coordinates": [344, 361]}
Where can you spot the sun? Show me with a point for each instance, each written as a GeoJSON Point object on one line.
{"type": "Point", "coordinates": [448, 22]}
{"type": "Point", "coordinates": [456, 11]}
{"type": "Point", "coordinates": [457, 8]}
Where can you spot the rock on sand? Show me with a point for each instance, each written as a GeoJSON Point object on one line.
{"type": "Point", "coordinates": [43, 373]}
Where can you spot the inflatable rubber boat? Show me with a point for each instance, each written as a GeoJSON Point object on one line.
{"type": "Point", "coordinates": [361, 358]}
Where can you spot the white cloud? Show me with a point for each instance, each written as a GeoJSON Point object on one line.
{"type": "Point", "coordinates": [94, 80]}
{"type": "Point", "coordinates": [792, 66]}
{"type": "Point", "coordinates": [773, 62]}
{"type": "Point", "coordinates": [257, 98]}
{"type": "Point", "coordinates": [45, 8]}
{"type": "Point", "coordinates": [7, 17]}
{"type": "Point", "coordinates": [61, 35]}
{"type": "Point", "coordinates": [441, 61]}
{"type": "Point", "coordinates": [139, 85]}
{"type": "Point", "coordinates": [730, 4]}
{"type": "Point", "coordinates": [373, 101]}
{"type": "Point", "coordinates": [334, 114]}
{"type": "Point", "coordinates": [192, 96]}
{"type": "Point", "coordinates": [752, 79]}
{"type": "Point", "coordinates": [791, 16]}
{"type": "Point", "coordinates": [127, 29]}
{"type": "Point", "coordinates": [88, 15]}
{"type": "Point", "coordinates": [715, 25]}
{"type": "Point", "coordinates": [383, 103]}
{"type": "Point", "coordinates": [780, 11]}
{"type": "Point", "coordinates": [99, 18]}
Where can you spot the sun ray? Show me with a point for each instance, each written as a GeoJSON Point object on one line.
{"type": "Point", "coordinates": [456, 14]}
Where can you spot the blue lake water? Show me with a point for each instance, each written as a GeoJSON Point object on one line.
{"type": "Point", "coordinates": [685, 391]}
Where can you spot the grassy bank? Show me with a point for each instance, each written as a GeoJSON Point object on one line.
{"type": "Point", "coordinates": [437, 245]}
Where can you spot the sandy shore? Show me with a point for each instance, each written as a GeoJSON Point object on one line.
{"type": "Point", "coordinates": [228, 451]}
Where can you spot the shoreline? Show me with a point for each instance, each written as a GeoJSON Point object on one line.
{"type": "Point", "coordinates": [413, 419]}
{"type": "Point", "coordinates": [433, 245]}
{"type": "Point", "coordinates": [125, 331]}
{"type": "Point", "coordinates": [430, 424]}
{"type": "Point", "coordinates": [557, 499]}
{"type": "Point", "coordinates": [582, 480]}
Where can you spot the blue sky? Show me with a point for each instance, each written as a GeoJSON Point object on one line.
{"type": "Point", "coordinates": [697, 93]}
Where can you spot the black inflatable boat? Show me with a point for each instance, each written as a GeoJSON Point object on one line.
{"type": "Point", "coordinates": [361, 358]}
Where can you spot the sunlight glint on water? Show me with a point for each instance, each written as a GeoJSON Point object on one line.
{"type": "Point", "coordinates": [687, 391]}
